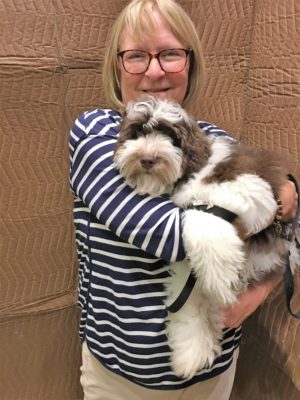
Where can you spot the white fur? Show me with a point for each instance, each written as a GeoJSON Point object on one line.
{"type": "Point", "coordinates": [194, 333]}
{"type": "Point", "coordinates": [163, 109]}
{"type": "Point", "coordinates": [167, 164]}
{"type": "Point", "coordinates": [215, 254]}
{"type": "Point", "coordinates": [248, 196]}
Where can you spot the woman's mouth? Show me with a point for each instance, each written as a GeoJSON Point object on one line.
{"type": "Point", "coordinates": [156, 91]}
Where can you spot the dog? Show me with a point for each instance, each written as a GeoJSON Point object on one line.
{"type": "Point", "coordinates": [161, 150]}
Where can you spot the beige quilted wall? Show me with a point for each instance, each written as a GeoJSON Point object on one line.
{"type": "Point", "coordinates": [51, 53]}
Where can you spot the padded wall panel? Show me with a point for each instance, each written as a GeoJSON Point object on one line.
{"type": "Point", "coordinates": [51, 54]}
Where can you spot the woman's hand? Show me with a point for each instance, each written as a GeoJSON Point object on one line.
{"type": "Point", "coordinates": [289, 200]}
{"type": "Point", "coordinates": [248, 302]}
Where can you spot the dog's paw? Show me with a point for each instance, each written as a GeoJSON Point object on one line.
{"type": "Point", "coordinates": [250, 197]}
{"type": "Point", "coordinates": [195, 343]}
{"type": "Point", "coordinates": [215, 253]}
{"type": "Point", "coordinates": [186, 362]}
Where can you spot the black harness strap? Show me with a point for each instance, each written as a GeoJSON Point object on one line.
{"type": "Point", "coordinates": [184, 294]}
{"type": "Point", "coordinates": [288, 276]}
{"type": "Point", "coordinates": [217, 211]}
{"type": "Point", "coordinates": [190, 283]}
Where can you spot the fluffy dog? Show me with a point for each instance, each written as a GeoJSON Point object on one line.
{"type": "Point", "coordinates": [162, 150]}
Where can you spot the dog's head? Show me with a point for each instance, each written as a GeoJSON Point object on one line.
{"type": "Point", "coordinates": [159, 145]}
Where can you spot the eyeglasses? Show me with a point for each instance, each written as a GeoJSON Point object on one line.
{"type": "Point", "coordinates": [137, 61]}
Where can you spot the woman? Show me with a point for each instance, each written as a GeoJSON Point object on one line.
{"type": "Point", "coordinates": [125, 241]}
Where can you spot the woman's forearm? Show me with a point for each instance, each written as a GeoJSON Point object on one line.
{"type": "Point", "coordinates": [249, 301]}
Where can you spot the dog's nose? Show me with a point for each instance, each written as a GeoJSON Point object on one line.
{"type": "Point", "coordinates": [147, 162]}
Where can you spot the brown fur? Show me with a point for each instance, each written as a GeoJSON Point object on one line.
{"type": "Point", "coordinates": [245, 159]}
{"type": "Point", "coordinates": [195, 147]}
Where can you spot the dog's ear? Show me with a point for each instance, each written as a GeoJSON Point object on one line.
{"type": "Point", "coordinates": [129, 130]}
{"type": "Point", "coordinates": [195, 147]}
{"type": "Point", "coordinates": [140, 111]}
{"type": "Point", "coordinates": [135, 118]}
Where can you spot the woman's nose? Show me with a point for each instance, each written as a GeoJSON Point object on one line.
{"type": "Point", "coordinates": [154, 70]}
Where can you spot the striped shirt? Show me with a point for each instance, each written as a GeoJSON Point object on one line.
{"type": "Point", "coordinates": [124, 243]}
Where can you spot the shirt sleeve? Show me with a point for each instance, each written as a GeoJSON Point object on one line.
{"type": "Point", "coordinates": [152, 224]}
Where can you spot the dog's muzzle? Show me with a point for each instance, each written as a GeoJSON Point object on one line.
{"type": "Point", "coordinates": [147, 162]}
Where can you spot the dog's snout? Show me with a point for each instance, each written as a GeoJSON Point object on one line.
{"type": "Point", "coordinates": [147, 162]}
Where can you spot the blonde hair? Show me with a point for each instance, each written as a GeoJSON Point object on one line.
{"type": "Point", "coordinates": [134, 16]}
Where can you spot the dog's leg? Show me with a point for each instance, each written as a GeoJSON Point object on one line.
{"type": "Point", "coordinates": [215, 254]}
{"type": "Point", "coordinates": [194, 334]}
{"type": "Point", "coordinates": [248, 196]}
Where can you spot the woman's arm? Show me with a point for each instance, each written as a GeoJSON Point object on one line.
{"type": "Point", "coordinates": [289, 200]}
{"type": "Point", "coordinates": [151, 224]}
{"type": "Point", "coordinates": [249, 301]}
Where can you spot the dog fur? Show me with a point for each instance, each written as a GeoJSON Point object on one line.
{"type": "Point", "coordinates": [162, 150]}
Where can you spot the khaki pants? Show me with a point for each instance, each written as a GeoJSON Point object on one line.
{"type": "Point", "coordinates": [100, 384]}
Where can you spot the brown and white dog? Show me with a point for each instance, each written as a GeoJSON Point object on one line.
{"type": "Point", "coordinates": [162, 150]}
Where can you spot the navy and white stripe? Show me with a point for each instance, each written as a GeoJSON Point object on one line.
{"type": "Point", "coordinates": [125, 242]}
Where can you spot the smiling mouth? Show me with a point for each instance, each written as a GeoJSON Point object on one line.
{"type": "Point", "coordinates": [156, 90]}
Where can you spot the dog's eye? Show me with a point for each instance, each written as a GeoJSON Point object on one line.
{"type": "Point", "coordinates": [176, 141]}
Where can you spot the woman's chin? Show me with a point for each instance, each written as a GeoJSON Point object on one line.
{"type": "Point", "coordinates": [160, 95]}
{"type": "Point", "coordinates": [168, 94]}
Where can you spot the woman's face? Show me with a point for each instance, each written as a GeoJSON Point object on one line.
{"type": "Point", "coordinates": [154, 81]}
